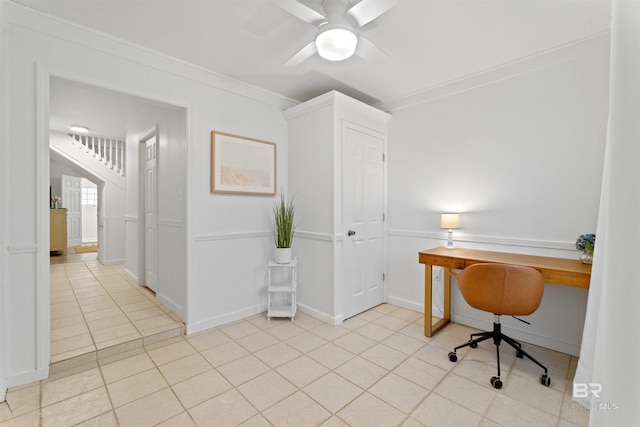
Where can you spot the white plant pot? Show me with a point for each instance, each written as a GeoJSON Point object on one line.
{"type": "Point", "coordinates": [282, 255]}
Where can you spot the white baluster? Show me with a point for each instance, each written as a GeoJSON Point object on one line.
{"type": "Point", "coordinates": [122, 146]}
{"type": "Point", "coordinates": [111, 153]}
{"type": "Point", "coordinates": [103, 156]}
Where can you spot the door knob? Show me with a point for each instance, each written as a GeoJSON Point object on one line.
{"type": "Point", "coordinates": [351, 233]}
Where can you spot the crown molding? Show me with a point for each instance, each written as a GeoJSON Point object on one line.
{"type": "Point", "coordinates": [22, 16]}
{"type": "Point", "coordinates": [586, 46]}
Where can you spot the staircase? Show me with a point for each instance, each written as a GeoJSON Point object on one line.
{"type": "Point", "coordinates": [103, 157]}
{"type": "Point", "coordinates": [109, 151]}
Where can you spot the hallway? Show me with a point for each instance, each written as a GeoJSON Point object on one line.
{"type": "Point", "coordinates": [97, 310]}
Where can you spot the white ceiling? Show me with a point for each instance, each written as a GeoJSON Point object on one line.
{"type": "Point", "coordinates": [428, 42]}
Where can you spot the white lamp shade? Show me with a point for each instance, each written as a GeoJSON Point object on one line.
{"type": "Point", "coordinates": [336, 43]}
{"type": "Point", "coordinates": [450, 221]}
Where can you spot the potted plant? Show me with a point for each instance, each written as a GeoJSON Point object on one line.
{"type": "Point", "coordinates": [283, 216]}
{"type": "Point", "coordinates": [586, 243]}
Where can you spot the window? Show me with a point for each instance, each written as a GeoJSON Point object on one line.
{"type": "Point", "coordinates": [89, 196]}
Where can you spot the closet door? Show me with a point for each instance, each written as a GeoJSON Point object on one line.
{"type": "Point", "coordinates": [151, 212]}
{"type": "Point", "coordinates": [363, 209]}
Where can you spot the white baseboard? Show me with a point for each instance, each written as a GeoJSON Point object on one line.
{"type": "Point", "coordinates": [113, 262]}
{"type": "Point", "coordinates": [409, 305]}
{"type": "Point", "coordinates": [131, 276]}
{"type": "Point", "coordinates": [28, 377]}
{"type": "Point", "coordinates": [212, 322]}
{"type": "Point", "coordinates": [171, 305]}
{"type": "Point", "coordinates": [332, 320]}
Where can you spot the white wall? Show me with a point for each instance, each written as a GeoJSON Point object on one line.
{"type": "Point", "coordinates": [171, 288]}
{"type": "Point", "coordinates": [228, 236]}
{"type": "Point", "coordinates": [520, 157]}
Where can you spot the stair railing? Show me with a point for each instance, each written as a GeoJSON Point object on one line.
{"type": "Point", "coordinates": [109, 151]}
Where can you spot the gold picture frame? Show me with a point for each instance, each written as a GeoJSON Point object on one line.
{"type": "Point", "coordinates": [241, 165]}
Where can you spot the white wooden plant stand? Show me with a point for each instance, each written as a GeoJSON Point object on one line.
{"type": "Point", "coordinates": [281, 289]}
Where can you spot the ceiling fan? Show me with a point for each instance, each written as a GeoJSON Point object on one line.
{"type": "Point", "coordinates": [338, 36]}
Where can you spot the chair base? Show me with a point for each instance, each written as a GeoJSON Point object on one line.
{"type": "Point", "coordinates": [498, 337]}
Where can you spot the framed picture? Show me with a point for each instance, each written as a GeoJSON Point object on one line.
{"type": "Point", "coordinates": [242, 165]}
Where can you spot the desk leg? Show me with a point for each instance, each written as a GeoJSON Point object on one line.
{"type": "Point", "coordinates": [429, 327]}
{"type": "Point", "coordinates": [447, 293]}
{"type": "Point", "coordinates": [428, 303]}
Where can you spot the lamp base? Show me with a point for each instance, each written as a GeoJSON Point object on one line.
{"type": "Point", "coordinates": [450, 240]}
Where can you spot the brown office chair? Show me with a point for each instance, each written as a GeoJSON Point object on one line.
{"type": "Point", "coordinates": [500, 289]}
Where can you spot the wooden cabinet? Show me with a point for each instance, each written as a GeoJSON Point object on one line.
{"type": "Point", "coordinates": [58, 230]}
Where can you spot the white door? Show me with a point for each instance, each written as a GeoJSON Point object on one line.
{"type": "Point", "coordinates": [150, 211]}
{"type": "Point", "coordinates": [363, 219]}
{"type": "Point", "coordinates": [72, 201]}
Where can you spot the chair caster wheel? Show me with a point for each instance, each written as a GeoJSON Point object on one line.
{"type": "Point", "coordinates": [496, 382]}
{"type": "Point", "coordinates": [545, 380]}
{"type": "Point", "coordinates": [473, 344]}
{"type": "Point", "coordinates": [453, 357]}
{"type": "Point", "coordinates": [519, 354]}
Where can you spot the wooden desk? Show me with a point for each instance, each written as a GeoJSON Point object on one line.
{"type": "Point", "coordinates": [558, 271]}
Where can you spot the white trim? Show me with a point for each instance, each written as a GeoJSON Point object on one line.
{"type": "Point", "coordinates": [42, 182]}
{"type": "Point", "coordinates": [174, 223]}
{"type": "Point", "coordinates": [113, 262]}
{"type": "Point", "coordinates": [589, 45]}
{"type": "Point", "coordinates": [311, 235]}
{"type": "Point", "coordinates": [336, 98]}
{"type": "Point", "coordinates": [171, 305]}
{"type": "Point", "coordinates": [212, 322]}
{"type": "Point", "coordinates": [332, 320]}
{"type": "Point", "coordinates": [131, 276]}
{"type": "Point", "coordinates": [22, 249]}
{"type": "Point", "coordinates": [5, 331]}
{"type": "Point", "coordinates": [491, 240]}
{"type": "Point", "coordinates": [28, 377]}
{"type": "Point", "coordinates": [409, 305]}
{"type": "Point", "coordinates": [231, 236]}
{"type": "Point", "coordinates": [67, 31]}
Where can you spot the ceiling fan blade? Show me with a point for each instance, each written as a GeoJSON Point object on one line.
{"type": "Point", "coordinates": [303, 54]}
{"type": "Point", "coordinates": [368, 50]}
{"type": "Point", "coordinates": [368, 10]}
{"type": "Point", "coordinates": [301, 11]}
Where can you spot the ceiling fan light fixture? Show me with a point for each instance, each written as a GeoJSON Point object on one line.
{"type": "Point", "coordinates": [336, 42]}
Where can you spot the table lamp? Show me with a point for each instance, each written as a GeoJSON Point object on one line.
{"type": "Point", "coordinates": [450, 221]}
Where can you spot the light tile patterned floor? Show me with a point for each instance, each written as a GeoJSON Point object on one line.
{"type": "Point", "coordinates": [376, 369]}
{"type": "Point", "coordinates": [96, 307]}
